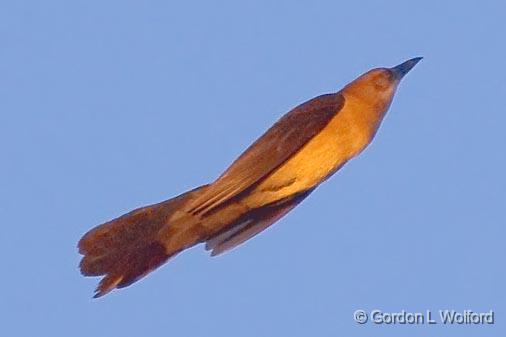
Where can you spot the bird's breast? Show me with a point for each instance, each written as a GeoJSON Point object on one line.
{"type": "Point", "coordinates": [347, 134]}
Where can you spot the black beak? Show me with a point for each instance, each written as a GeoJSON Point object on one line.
{"type": "Point", "coordinates": [403, 68]}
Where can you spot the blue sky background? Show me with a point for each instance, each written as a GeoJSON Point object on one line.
{"type": "Point", "coordinates": [109, 105]}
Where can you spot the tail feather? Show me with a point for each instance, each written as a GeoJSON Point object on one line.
{"type": "Point", "coordinates": [131, 267]}
{"type": "Point", "coordinates": [127, 248]}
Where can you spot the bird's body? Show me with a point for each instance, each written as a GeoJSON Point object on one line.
{"type": "Point", "coordinates": [271, 177]}
{"type": "Point", "coordinates": [345, 136]}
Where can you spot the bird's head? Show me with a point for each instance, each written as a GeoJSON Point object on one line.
{"type": "Point", "coordinates": [377, 87]}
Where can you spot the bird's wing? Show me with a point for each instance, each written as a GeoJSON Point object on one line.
{"type": "Point", "coordinates": [251, 224]}
{"type": "Point", "coordinates": [277, 145]}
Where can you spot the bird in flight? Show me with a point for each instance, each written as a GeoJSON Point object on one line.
{"type": "Point", "coordinates": [279, 170]}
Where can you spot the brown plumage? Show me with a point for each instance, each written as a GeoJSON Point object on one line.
{"type": "Point", "coordinates": [270, 178]}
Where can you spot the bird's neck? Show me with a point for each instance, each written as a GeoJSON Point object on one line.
{"type": "Point", "coordinates": [366, 115]}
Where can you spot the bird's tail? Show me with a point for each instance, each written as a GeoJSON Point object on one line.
{"type": "Point", "coordinates": [127, 248]}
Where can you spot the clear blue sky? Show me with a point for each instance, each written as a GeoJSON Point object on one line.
{"type": "Point", "coordinates": [109, 105]}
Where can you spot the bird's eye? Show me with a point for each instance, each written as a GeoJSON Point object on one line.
{"type": "Point", "coordinates": [382, 80]}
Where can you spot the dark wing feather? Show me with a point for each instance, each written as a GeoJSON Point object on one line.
{"type": "Point", "coordinates": [252, 224]}
{"type": "Point", "coordinates": [277, 145]}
